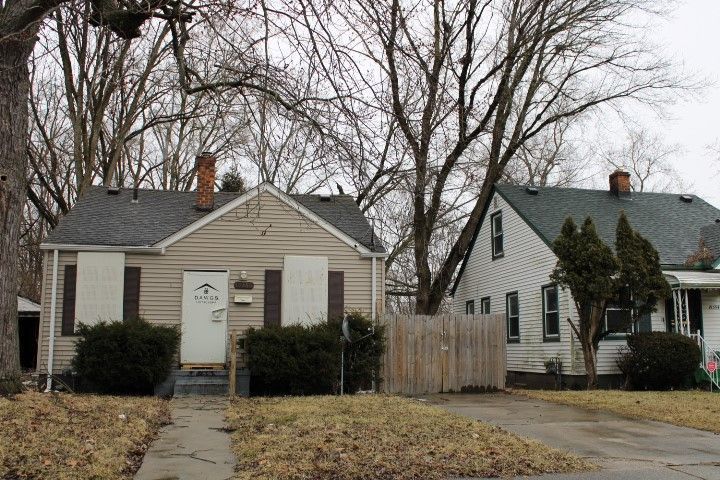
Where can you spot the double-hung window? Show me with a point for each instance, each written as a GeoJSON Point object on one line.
{"type": "Point", "coordinates": [496, 224]}
{"type": "Point", "coordinates": [470, 307]}
{"type": "Point", "coordinates": [512, 313]}
{"type": "Point", "coordinates": [551, 313]}
{"type": "Point", "coordinates": [619, 322]}
{"type": "Point", "coordinates": [485, 306]}
{"type": "Point", "coordinates": [618, 319]}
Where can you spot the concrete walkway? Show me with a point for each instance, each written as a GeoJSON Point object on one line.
{"type": "Point", "coordinates": [194, 446]}
{"type": "Point", "coordinates": [625, 448]}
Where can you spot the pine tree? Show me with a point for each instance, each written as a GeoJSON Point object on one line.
{"type": "Point", "coordinates": [640, 271]}
{"type": "Point", "coordinates": [595, 276]}
{"type": "Point", "coordinates": [588, 268]}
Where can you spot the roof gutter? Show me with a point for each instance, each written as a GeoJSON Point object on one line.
{"type": "Point", "coordinates": [373, 254]}
{"type": "Point", "coordinates": [103, 248]}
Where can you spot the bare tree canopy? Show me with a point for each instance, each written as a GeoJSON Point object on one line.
{"type": "Point", "coordinates": [469, 85]}
{"type": "Point", "coordinates": [415, 107]}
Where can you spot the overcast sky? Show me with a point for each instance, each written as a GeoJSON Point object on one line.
{"type": "Point", "coordinates": [692, 35]}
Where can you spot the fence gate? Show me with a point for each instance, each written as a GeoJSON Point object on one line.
{"type": "Point", "coordinates": [443, 353]}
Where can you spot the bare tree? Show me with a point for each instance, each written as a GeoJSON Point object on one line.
{"type": "Point", "coordinates": [554, 157]}
{"type": "Point", "coordinates": [649, 158]}
{"type": "Point", "coordinates": [472, 82]}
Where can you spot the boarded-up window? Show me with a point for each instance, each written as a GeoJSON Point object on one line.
{"type": "Point", "coordinates": [99, 291]}
{"type": "Point", "coordinates": [304, 290]}
{"type": "Point", "coordinates": [336, 295]}
{"type": "Point", "coordinates": [131, 293]}
{"type": "Point", "coordinates": [68, 306]}
{"type": "Point", "coordinates": [273, 297]}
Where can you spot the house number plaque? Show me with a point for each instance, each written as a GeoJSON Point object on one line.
{"type": "Point", "coordinates": [244, 285]}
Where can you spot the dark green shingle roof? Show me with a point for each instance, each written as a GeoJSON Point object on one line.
{"type": "Point", "coordinates": [672, 225]}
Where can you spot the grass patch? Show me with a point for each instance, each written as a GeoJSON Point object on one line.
{"type": "Point", "coordinates": [65, 436]}
{"type": "Point", "coordinates": [378, 437]}
{"type": "Point", "coordinates": [693, 409]}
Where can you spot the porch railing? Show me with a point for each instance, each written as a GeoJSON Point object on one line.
{"type": "Point", "coordinates": [709, 354]}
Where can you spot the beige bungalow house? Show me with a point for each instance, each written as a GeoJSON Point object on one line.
{"type": "Point", "coordinates": [211, 262]}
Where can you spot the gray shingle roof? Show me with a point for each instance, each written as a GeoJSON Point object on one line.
{"type": "Point", "coordinates": [342, 212]}
{"type": "Point", "coordinates": [711, 234]}
{"type": "Point", "coordinates": [102, 219]}
{"type": "Point", "coordinates": [673, 226]}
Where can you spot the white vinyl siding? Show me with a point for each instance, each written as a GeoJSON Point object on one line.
{"type": "Point", "coordinates": [525, 267]}
{"type": "Point", "coordinates": [254, 237]}
{"type": "Point", "coordinates": [711, 317]}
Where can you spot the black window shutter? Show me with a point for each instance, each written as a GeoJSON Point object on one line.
{"type": "Point", "coordinates": [273, 296]}
{"type": "Point", "coordinates": [645, 323]}
{"type": "Point", "coordinates": [336, 295]}
{"type": "Point", "coordinates": [131, 293]}
{"type": "Point", "coordinates": [68, 307]}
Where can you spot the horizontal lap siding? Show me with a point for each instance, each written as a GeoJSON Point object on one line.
{"type": "Point", "coordinates": [525, 267]}
{"type": "Point", "coordinates": [711, 318]}
{"type": "Point", "coordinates": [64, 345]}
{"type": "Point", "coordinates": [253, 239]}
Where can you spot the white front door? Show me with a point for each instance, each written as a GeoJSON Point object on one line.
{"type": "Point", "coordinates": [204, 316]}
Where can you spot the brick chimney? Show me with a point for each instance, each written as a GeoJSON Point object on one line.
{"type": "Point", "coordinates": [620, 183]}
{"type": "Point", "coordinates": [205, 196]}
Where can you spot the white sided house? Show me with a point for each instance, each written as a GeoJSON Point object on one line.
{"type": "Point", "coordinates": [211, 262]}
{"type": "Point", "coordinates": [507, 270]}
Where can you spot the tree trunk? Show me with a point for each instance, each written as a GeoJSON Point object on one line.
{"type": "Point", "coordinates": [590, 357]}
{"type": "Point", "coordinates": [14, 90]}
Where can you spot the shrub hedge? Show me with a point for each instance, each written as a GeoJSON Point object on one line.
{"type": "Point", "coordinates": [659, 360]}
{"type": "Point", "coordinates": [305, 360]}
{"type": "Point", "coordinates": [128, 357]}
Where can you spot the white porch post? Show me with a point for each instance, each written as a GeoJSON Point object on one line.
{"type": "Point", "coordinates": [687, 313]}
{"type": "Point", "coordinates": [676, 311]}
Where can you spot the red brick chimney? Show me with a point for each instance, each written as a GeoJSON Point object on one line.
{"type": "Point", "coordinates": [205, 196]}
{"type": "Point", "coordinates": [620, 183]}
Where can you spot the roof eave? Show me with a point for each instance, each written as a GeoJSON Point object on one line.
{"type": "Point", "coordinates": [103, 248]}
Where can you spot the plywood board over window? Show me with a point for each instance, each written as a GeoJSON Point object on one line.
{"type": "Point", "coordinates": [304, 290]}
{"type": "Point", "coordinates": [99, 288]}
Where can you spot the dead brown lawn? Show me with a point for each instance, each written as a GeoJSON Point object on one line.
{"type": "Point", "coordinates": [693, 409]}
{"type": "Point", "coordinates": [64, 436]}
{"type": "Point", "coordinates": [379, 437]}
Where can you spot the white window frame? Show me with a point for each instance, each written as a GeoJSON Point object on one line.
{"type": "Point", "coordinates": [545, 311]}
{"type": "Point", "coordinates": [508, 317]}
{"type": "Point", "coordinates": [468, 304]}
{"type": "Point", "coordinates": [483, 302]}
{"type": "Point", "coordinates": [633, 325]}
{"type": "Point", "coordinates": [495, 234]}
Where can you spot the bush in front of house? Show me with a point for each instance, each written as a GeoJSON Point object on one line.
{"type": "Point", "coordinates": [128, 357]}
{"type": "Point", "coordinates": [363, 356]}
{"type": "Point", "coordinates": [305, 360]}
{"type": "Point", "coordinates": [658, 360]}
{"type": "Point", "coordinates": [295, 360]}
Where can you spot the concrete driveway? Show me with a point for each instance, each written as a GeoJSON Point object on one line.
{"type": "Point", "coordinates": [626, 448]}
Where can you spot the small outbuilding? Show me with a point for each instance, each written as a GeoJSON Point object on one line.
{"type": "Point", "coordinates": [28, 325]}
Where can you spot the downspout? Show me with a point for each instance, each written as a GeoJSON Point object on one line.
{"type": "Point", "coordinates": [53, 309]}
{"type": "Point", "coordinates": [373, 281]}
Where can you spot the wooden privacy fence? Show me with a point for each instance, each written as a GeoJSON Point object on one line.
{"type": "Point", "coordinates": [443, 353]}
